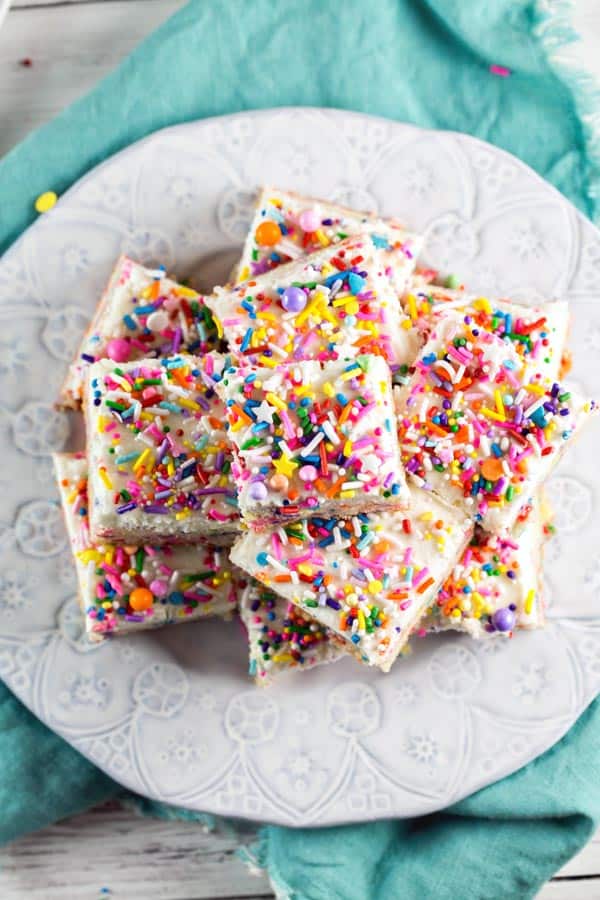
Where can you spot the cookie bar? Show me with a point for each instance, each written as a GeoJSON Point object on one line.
{"type": "Point", "coordinates": [158, 452]}
{"type": "Point", "coordinates": [337, 300]}
{"type": "Point", "coordinates": [281, 637]}
{"type": "Point", "coordinates": [538, 333]}
{"type": "Point", "coordinates": [142, 314]}
{"type": "Point", "coordinates": [287, 225]}
{"type": "Point", "coordinates": [125, 589]}
{"type": "Point", "coordinates": [477, 427]}
{"type": "Point", "coordinates": [496, 586]}
{"type": "Point", "coordinates": [369, 577]}
{"type": "Point", "coordinates": [313, 438]}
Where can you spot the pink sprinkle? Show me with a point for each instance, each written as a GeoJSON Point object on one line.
{"type": "Point", "coordinates": [502, 71]}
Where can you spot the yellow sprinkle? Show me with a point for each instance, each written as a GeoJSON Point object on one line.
{"type": "Point", "coordinates": [264, 314]}
{"type": "Point", "coordinates": [529, 601]}
{"type": "Point", "coordinates": [412, 306]}
{"type": "Point", "coordinates": [183, 514]}
{"type": "Point", "coordinates": [104, 478]}
{"type": "Point", "coordinates": [322, 238]}
{"type": "Point", "coordinates": [491, 414]}
{"type": "Point", "coordinates": [101, 424]}
{"type": "Point", "coordinates": [347, 495]}
{"type": "Point", "coordinates": [244, 274]}
{"type": "Point", "coordinates": [328, 389]}
{"type": "Point", "coordinates": [361, 620]}
{"type": "Point", "coordinates": [406, 324]}
{"type": "Point", "coordinates": [305, 569]}
{"type": "Point", "coordinates": [189, 404]}
{"type": "Point", "coordinates": [343, 299]}
{"type": "Point", "coordinates": [45, 202]}
{"type": "Point", "coordinates": [218, 326]}
{"type": "Point", "coordinates": [483, 304]}
{"type": "Point", "coordinates": [181, 291]}
{"type": "Point", "coordinates": [351, 373]}
{"type": "Point", "coordinates": [375, 586]}
{"type": "Point", "coordinates": [274, 400]}
{"type": "Point", "coordinates": [141, 459]}
{"type": "Point", "coordinates": [283, 658]}
{"type": "Point", "coordinates": [499, 403]}
{"type": "Point", "coordinates": [426, 516]}
{"type": "Point", "coordinates": [269, 361]}
{"type": "Point", "coordinates": [534, 389]}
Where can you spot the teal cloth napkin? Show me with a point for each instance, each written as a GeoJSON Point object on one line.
{"type": "Point", "coordinates": [423, 61]}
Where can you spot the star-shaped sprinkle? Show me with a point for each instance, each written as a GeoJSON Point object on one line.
{"type": "Point", "coordinates": [285, 466]}
{"type": "Point", "coordinates": [264, 413]}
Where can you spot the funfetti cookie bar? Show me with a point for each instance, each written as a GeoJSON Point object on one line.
{"type": "Point", "coordinates": [337, 300]}
{"type": "Point", "coordinates": [313, 438]}
{"type": "Point", "coordinates": [538, 333]}
{"type": "Point", "coordinates": [496, 586]}
{"type": "Point", "coordinates": [142, 314]}
{"type": "Point", "coordinates": [125, 589]}
{"type": "Point", "coordinates": [477, 427]}
{"type": "Point", "coordinates": [159, 456]}
{"type": "Point", "coordinates": [287, 225]}
{"type": "Point", "coordinates": [280, 637]}
{"type": "Point", "coordinates": [368, 577]}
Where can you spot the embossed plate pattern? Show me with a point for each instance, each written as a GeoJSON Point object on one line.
{"type": "Point", "coordinates": [172, 714]}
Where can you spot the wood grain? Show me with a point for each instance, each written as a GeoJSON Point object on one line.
{"type": "Point", "coordinates": [134, 858]}
{"type": "Point", "coordinates": [71, 49]}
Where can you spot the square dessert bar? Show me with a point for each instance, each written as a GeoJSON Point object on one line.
{"type": "Point", "coordinates": [287, 225]}
{"type": "Point", "coordinates": [538, 333]}
{"type": "Point", "coordinates": [338, 300]}
{"type": "Point", "coordinates": [125, 589]}
{"type": "Point", "coordinates": [142, 314]}
{"type": "Point", "coordinates": [313, 438]}
{"type": "Point", "coordinates": [497, 585]}
{"type": "Point", "coordinates": [281, 637]}
{"type": "Point", "coordinates": [158, 452]}
{"type": "Point", "coordinates": [368, 577]}
{"type": "Point", "coordinates": [477, 427]}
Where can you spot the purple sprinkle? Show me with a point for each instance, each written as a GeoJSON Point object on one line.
{"type": "Point", "coordinates": [158, 510]}
{"type": "Point", "coordinates": [125, 507]}
{"type": "Point", "coordinates": [177, 340]}
{"type": "Point", "coordinates": [88, 358]}
{"type": "Point", "coordinates": [204, 492]}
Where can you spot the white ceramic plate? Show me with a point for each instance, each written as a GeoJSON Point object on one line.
{"type": "Point", "coordinates": [4, 4]}
{"type": "Point", "coordinates": [172, 714]}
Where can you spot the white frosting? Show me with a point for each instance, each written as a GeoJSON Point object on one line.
{"type": "Point", "coordinates": [182, 561]}
{"type": "Point", "coordinates": [430, 537]}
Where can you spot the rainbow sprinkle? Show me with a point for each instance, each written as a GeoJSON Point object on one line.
{"type": "Point", "coordinates": [367, 577]}
{"type": "Point", "coordinates": [313, 437]}
{"type": "Point", "coordinates": [281, 637]}
{"type": "Point", "coordinates": [476, 427]}
{"type": "Point", "coordinates": [142, 315]}
{"type": "Point", "coordinates": [125, 588]}
{"type": "Point", "coordinates": [287, 226]}
{"type": "Point", "coordinates": [336, 301]}
{"type": "Point", "coordinates": [160, 463]}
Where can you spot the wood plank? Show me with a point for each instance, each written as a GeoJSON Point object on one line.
{"type": "Point", "coordinates": [135, 858]}
{"type": "Point", "coordinates": [35, 4]}
{"type": "Point", "coordinates": [581, 889]}
{"type": "Point", "coordinates": [586, 863]}
{"type": "Point", "coordinates": [71, 49]}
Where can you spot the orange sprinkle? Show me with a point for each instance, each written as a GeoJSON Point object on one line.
{"type": "Point", "coordinates": [426, 584]}
{"type": "Point", "coordinates": [492, 469]}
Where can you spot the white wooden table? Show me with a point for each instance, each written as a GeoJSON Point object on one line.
{"type": "Point", "coordinates": [51, 52]}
